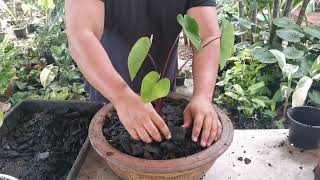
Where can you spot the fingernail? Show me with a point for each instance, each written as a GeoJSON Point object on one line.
{"type": "Point", "coordinates": [169, 136]}
{"type": "Point", "coordinates": [216, 139]}
{"type": "Point", "coordinates": [194, 139]}
{"type": "Point", "coordinates": [203, 144]}
{"type": "Point", "coordinates": [209, 144]}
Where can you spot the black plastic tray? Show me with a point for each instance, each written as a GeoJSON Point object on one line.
{"type": "Point", "coordinates": [33, 106]}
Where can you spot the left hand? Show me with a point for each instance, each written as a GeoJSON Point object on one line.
{"type": "Point", "coordinates": [204, 118]}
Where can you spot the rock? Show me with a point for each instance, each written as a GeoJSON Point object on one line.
{"type": "Point", "coordinates": [247, 161]}
{"type": "Point", "coordinates": [42, 156]}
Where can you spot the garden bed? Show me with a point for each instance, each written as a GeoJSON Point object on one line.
{"type": "Point", "coordinates": [42, 139]}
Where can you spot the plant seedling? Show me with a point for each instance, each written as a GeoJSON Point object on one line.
{"type": "Point", "coordinates": [154, 85]}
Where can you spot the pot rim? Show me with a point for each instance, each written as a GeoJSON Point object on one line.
{"type": "Point", "coordinates": [114, 156]}
{"type": "Point", "coordinates": [289, 112]}
{"type": "Point", "coordinates": [7, 177]}
{"type": "Point", "coordinates": [21, 28]}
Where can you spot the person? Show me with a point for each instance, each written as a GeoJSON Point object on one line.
{"type": "Point", "coordinates": [101, 35]}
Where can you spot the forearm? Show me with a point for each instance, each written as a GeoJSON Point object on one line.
{"type": "Point", "coordinates": [95, 65]}
{"type": "Point", "coordinates": [205, 70]}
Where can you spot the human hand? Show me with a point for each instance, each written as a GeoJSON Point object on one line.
{"type": "Point", "coordinates": [203, 116]}
{"type": "Point", "coordinates": [141, 120]}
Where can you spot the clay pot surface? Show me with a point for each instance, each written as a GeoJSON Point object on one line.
{"type": "Point", "coordinates": [129, 167]}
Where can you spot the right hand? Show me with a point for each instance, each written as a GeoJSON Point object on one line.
{"type": "Point", "coordinates": [141, 120]}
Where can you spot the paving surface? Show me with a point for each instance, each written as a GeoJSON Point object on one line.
{"type": "Point", "coordinates": [272, 158]}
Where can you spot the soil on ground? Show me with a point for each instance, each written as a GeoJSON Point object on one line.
{"type": "Point", "coordinates": [180, 145]}
{"type": "Point", "coordinates": [42, 145]}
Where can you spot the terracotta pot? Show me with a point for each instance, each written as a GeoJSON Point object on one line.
{"type": "Point", "coordinates": [129, 167]}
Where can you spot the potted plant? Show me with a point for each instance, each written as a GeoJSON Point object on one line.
{"type": "Point", "coordinates": [20, 28]}
{"type": "Point", "coordinates": [304, 120]}
{"type": "Point", "coordinates": [181, 158]}
{"type": "Point", "coordinates": [29, 7]}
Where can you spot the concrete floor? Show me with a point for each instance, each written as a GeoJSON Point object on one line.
{"type": "Point", "coordinates": [272, 158]}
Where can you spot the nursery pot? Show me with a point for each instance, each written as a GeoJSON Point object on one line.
{"type": "Point", "coordinates": [2, 36]}
{"type": "Point", "coordinates": [180, 79]}
{"type": "Point", "coordinates": [20, 32]}
{"type": "Point", "coordinates": [304, 131]}
{"type": "Point", "coordinates": [129, 167]}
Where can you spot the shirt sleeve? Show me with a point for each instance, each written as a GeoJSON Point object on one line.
{"type": "Point", "coordinates": [195, 3]}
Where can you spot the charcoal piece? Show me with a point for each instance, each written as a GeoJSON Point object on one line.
{"type": "Point", "coordinates": [153, 148]}
{"type": "Point", "coordinates": [137, 149]}
{"type": "Point", "coordinates": [125, 144]}
{"type": "Point", "coordinates": [72, 115]}
{"type": "Point", "coordinates": [178, 134]}
{"type": "Point", "coordinates": [12, 154]}
{"type": "Point", "coordinates": [169, 146]}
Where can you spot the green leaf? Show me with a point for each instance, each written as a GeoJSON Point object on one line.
{"type": "Point", "coordinates": [284, 22]}
{"type": "Point", "coordinates": [238, 88]}
{"type": "Point", "coordinates": [191, 29]}
{"type": "Point", "coordinates": [312, 31]}
{"type": "Point", "coordinates": [48, 74]}
{"type": "Point", "coordinates": [289, 35]}
{"type": "Point", "coordinates": [138, 54]}
{"type": "Point", "coordinates": [279, 56]}
{"type": "Point", "coordinates": [278, 96]}
{"type": "Point", "coordinates": [253, 89]}
{"type": "Point", "coordinates": [153, 87]}
{"type": "Point", "coordinates": [292, 53]}
{"type": "Point", "coordinates": [300, 94]}
{"type": "Point", "coordinates": [263, 56]}
{"type": "Point", "coordinates": [300, 73]}
{"type": "Point", "coordinates": [315, 96]}
{"type": "Point", "coordinates": [1, 118]}
{"type": "Point", "coordinates": [226, 43]}
{"type": "Point", "coordinates": [289, 69]}
{"type": "Point", "coordinates": [259, 102]}
{"type": "Point", "coordinates": [315, 46]}
{"type": "Point", "coordinates": [279, 124]}
{"type": "Point", "coordinates": [315, 68]}
{"type": "Point", "coordinates": [232, 95]}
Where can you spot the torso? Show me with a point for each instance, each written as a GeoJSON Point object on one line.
{"type": "Point", "coordinates": [128, 20]}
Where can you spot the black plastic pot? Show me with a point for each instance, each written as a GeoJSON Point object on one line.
{"type": "Point", "coordinates": [32, 28]}
{"type": "Point", "coordinates": [304, 131]}
{"type": "Point", "coordinates": [37, 106]}
{"type": "Point", "coordinates": [21, 33]}
{"type": "Point", "coordinates": [180, 79]}
{"type": "Point", "coordinates": [2, 36]}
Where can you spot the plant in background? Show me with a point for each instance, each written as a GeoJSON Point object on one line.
{"type": "Point", "coordinates": [300, 92]}
{"type": "Point", "coordinates": [245, 87]}
{"type": "Point", "coordinates": [154, 85]}
{"type": "Point", "coordinates": [17, 19]}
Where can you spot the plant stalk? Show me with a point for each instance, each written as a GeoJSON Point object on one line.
{"type": "Point", "coordinates": [288, 8]}
{"type": "Point", "coordinates": [275, 14]}
{"type": "Point", "coordinates": [168, 58]}
{"type": "Point", "coordinates": [302, 12]}
{"type": "Point", "coordinates": [241, 15]}
{"type": "Point", "coordinates": [153, 62]}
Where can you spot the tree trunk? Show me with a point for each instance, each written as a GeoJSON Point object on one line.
{"type": "Point", "coordinates": [288, 8]}
{"type": "Point", "coordinates": [275, 14]}
{"type": "Point", "coordinates": [241, 15]}
{"type": "Point", "coordinates": [302, 11]}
